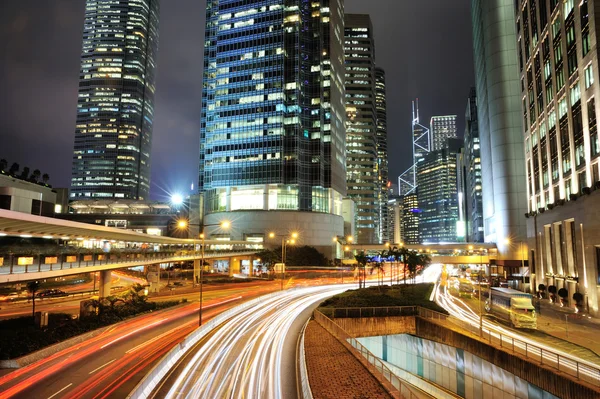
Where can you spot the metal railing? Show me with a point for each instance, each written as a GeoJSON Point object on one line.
{"type": "Point", "coordinates": [581, 371]}
{"type": "Point", "coordinates": [402, 388]}
{"type": "Point", "coordinates": [561, 363]}
{"type": "Point", "coordinates": [48, 263]}
{"type": "Point", "coordinates": [357, 313]}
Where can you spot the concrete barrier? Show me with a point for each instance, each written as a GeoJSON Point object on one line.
{"type": "Point", "coordinates": [305, 391]}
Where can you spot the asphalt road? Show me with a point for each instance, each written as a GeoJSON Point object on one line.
{"type": "Point", "coordinates": [252, 355]}
{"type": "Point", "coordinates": [111, 364]}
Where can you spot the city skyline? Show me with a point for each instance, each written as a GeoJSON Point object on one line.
{"type": "Point", "coordinates": [177, 102]}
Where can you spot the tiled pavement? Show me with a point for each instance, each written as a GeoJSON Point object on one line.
{"type": "Point", "coordinates": [333, 372]}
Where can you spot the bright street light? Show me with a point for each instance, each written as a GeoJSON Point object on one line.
{"type": "Point", "coordinates": [177, 199]}
{"type": "Point", "coordinates": [182, 224]}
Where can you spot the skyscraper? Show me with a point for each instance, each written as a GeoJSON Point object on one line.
{"type": "Point", "coordinates": [410, 218]}
{"type": "Point", "coordinates": [472, 163]}
{"type": "Point", "coordinates": [421, 146]}
{"type": "Point", "coordinates": [115, 106]}
{"type": "Point", "coordinates": [500, 129]}
{"type": "Point", "coordinates": [438, 194]}
{"type": "Point", "coordinates": [361, 126]}
{"type": "Point", "coordinates": [272, 145]}
{"type": "Point", "coordinates": [558, 67]}
{"type": "Point", "coordinates": [382, 154]}
{"type": "Point", "coordinates": [442, 128]}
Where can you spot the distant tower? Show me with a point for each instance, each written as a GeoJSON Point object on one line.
{"type": "Point", "coordinates": [115, 105]}
{"type": "Point", "coordinates": [442, 129]}
{"type": "Point", "coordinates": [421, 147]}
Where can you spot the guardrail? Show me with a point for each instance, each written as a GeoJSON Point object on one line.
{"type": "Point", "coordinates": [147, 385]}
{"type": "Point", "coordinates": [48, 263]}
{"type": "Point", "coordinates": [305, 391]}
{"type": "Point", "coordinates": [565, 364]}
{"type": "Point", "coordinates": [403, 389]}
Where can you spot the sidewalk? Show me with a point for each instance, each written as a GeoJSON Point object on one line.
{"type": "Point", "coordinates": [564, 324]}
{"type": "Point", "coordinates": [333, 372]}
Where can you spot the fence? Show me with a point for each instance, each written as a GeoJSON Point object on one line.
{"type": "Point", "coordinates": [581, 371]}
{"type": "Point", "coordinates": [402, 389]}
{"type": "Point", "coordinates": [22, 264]}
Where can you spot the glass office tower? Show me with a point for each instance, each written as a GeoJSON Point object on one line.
{"type": "Point", "coordinates": [115, 106]}
{"type": "Point", "coordinates": [272, 123]}
{"type": "Point", "coordinates": [382, 156]}
{"type": "Point", "coordinates": [361, 127]}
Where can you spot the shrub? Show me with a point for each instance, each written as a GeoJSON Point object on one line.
{"type": "Point", "coordinates": [563, 293]}
{"type": "Point", "coordinates": [578, 297]}
{"type": "Point", "coordinates": [384, 296]}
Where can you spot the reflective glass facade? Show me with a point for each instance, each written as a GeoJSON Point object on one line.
{"type": "Point", "coordinates": [472, 164]}
{"type": "Point", "coordinates": [438, 194]}
{"type": "Point", "coordinates": [382, 155]}
{"type": "Point", "coordinates": [361, 127]}
{"type": "Point", "coordinates": [272, 123]}
{"type": "Point", "coordinates": [115, 106]}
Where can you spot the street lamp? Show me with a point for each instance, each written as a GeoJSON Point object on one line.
{"type": "Point", "coordinates": [284, 242]}
{"type": "Point", "coordinates": [183, 224]}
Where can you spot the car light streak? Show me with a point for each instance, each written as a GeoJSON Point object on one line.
{"type": "Point", "coordinates": [518, 341]}
{"type": "Point", "coordinates": [243, 357]}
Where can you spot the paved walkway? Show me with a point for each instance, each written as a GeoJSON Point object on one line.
{"type": "Point", "coordinates": [333, 372]}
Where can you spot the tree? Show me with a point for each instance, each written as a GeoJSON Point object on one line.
{"type": "Point", "coordinates": [424, 261]}
{"type": "Point", "coordinates": [45, 178]}
{"type": "Point", "coordinates": [303, 256]}
{"type": "Point", "coordinates": [14, 169]}
{"type": "Point", "coordinates": [35, 176]}
{"type": "Point", "coordinates": [268, 258]}
{"type": "Point", "coordinates": [32, 288]}
{"type": "Point", "coordinates": [563, 294]}
{"type": "Point", "coordinates": [378, 266]}
{"type": "Point", "coordinates": [404, 253]}
{"type": "Point", "coordinates": [24, 173]}
{"type": "Point", "coordinates": [362, 260]}
{"type": "Point", "coordinates": [3, 165]}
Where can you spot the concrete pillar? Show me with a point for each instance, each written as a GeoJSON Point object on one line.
{"type": "Point", "coordinates": [234, 266]}
{"type": "Point", "coordinates": [266, 197]}
{"type": "Point", "coordinates": [251, 267]}
{"type": "Point", "coordinates": [228, 199]}
{"type": "Point", "coordinates": [105, 283]}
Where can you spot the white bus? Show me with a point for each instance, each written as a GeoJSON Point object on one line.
{"type": "Point", "coordinates": [513, 306]}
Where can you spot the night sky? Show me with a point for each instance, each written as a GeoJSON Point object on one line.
{"type": "Point", "coordinates": [424, 46]}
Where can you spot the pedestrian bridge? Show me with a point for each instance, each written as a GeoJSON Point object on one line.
{"type": "Point", "coordinates": [463, 253]}
{"type": "Point", "coordinates": [75, 248]}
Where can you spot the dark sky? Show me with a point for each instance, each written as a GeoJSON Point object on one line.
{"type": "Point", "coordinates": [424, 46]}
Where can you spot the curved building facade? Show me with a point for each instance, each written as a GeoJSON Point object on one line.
{"type": "Point", "coordinates": [272, 125]}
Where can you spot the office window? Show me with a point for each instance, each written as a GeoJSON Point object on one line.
{"type": "Point", "coordinates": [589, 76]}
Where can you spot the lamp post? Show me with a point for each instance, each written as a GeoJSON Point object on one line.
{"type": "Point", "coordinates": [284, 241]}
{"type": "Point", "coordinates": [182, 224]}
{"type": "Point", "coordinates": [346, 241]}
{"type": "Point", "coordinates": [479, 279]}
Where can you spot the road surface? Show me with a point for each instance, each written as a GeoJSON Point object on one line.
{"type": "Point", "coordinates": [251, 355]}
{"type": "Point", "coordinates": [111, 364]}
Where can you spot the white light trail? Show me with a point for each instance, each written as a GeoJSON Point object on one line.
{"type": "Point", "coordinates": [243, 358]}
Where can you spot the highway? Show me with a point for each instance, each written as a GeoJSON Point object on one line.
{"type": "Point", "coordinates": [111, 364]}
{"type": "Point", "coordinates": [252, 355]}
